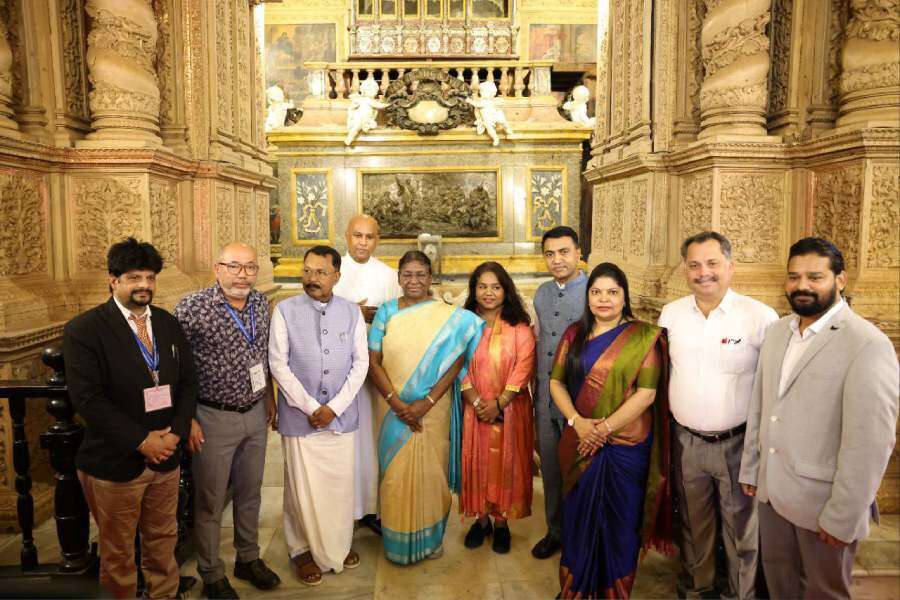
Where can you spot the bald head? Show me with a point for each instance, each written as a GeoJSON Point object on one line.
{"type": "Point", "coordinates": [362, 237]}
{"type": "Point", "coordinates": [236, 270]}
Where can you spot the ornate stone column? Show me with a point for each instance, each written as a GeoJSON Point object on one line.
{"type": "Point", "coordinates": [8, 126]}
{"type": "Point", "coordinates": [124, 98]}
{"type": "Point", "coordinates": [735, 57]}
{"type": "Point", "coordinates": [870, 82]}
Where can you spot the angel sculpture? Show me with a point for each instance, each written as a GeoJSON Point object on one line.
{"type": "Point", "coordinates": [488, 116]}
{"type": "Point", "coordinates": [278, 106]}
{"type": "Point", "coordinates": [577, 107]}
{"type": "Point", "coordinates": [363, 110]}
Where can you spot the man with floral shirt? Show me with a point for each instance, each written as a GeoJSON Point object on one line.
{"type": "Point", "coordinates": [227, 326]}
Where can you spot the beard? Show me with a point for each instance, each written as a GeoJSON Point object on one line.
{"type": "Point", "coordinates": [819, 304]}
{"type": "Point", "coordinates": [139, 301]}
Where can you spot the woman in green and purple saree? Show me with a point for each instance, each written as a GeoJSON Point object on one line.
{"type": "Point", "coordinates": [614, 453]}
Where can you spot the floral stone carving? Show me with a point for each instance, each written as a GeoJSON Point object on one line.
{"type": "Point", "coordinates": [428, 101]}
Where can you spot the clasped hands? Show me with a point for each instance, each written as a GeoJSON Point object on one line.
{"type": "Point", "coordinates": [159, 445]}
{"type": "Point", "coordinates": [412, 413]}
{"type": "Point", "coordinates": [322, 418]}
{"type": "Point", "coordinates": [487, 411]}
{"type": "Point", "coordinates": [592, 435]}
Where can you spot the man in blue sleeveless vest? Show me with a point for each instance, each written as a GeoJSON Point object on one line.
{"type": "Point", "coordinates": [319, 357]}
{"type": "Point", "coordinates": [558, 303]}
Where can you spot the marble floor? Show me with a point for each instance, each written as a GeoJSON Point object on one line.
{"type": "Point", "coordinates": [460, 572]}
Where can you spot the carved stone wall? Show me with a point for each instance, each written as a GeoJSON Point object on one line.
{"type": "Point", "coordinates": [105, 110]}
{"type": "Point", "coordinates": [820, 78]}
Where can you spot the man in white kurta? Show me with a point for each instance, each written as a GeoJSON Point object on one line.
{"type": "Point", "coordinates": [318, 356]}
{"type": "Point", "coordinates": [368, 282]}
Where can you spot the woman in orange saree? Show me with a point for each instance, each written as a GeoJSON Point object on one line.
{"type": "Point", "coordinates": [498, 426]}
{"type": "Point", "coordinates": [614, 454]}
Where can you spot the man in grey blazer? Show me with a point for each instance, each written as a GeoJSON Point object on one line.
{"type": "Point", "coordinates": [820, 430]}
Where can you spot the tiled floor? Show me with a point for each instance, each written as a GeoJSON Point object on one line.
{"type": "Point", "coordinates": [462, 573]}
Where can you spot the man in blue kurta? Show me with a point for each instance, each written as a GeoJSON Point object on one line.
{"type": "Point", "coordinates": [319, 357]}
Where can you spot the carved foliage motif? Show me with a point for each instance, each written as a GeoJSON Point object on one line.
{"type": "Point", "coordinates": [22, 237]}
{"type": "Point", "coordinates": [165, 59]}
{"type": "Point", "coordinates": [223, 63]}
{"type": "Point", "coordinates": [73, 56]}
{"type": "Point", "coordinates": [636, 61]}
{"type": "Point", "coordinates": [616, 218]}
{"type": "Point", "coordinates": [871, 76]}
{"type": "Point", "coordinates": [262, 224]}
{"type": "Point", "coordinates": [733, 43]}
{"type": "Point", "coordinates": [244, 222]}
{"type": "Point", "coordinates": [432, 86]}
{"type": "Point", "coordinates": [836, 28]}
{"type": "Point", "coordinates": [224, 215]}
{"type": "Point", "coordinates": [884, 218]}
{"type": "Point", "coordinates": [244, 70]}
{"type": "Point", "coordinates": [838, 196]}
{"type": "Point", "coordinates": [598, 216]}
{"type": "Point", "coordinates": [696, 14]}
{"type": "Point", "coordinates": [619, 66]}
{"type": "Point", "coordinates": [637, 215]}
{"type": "Point", "coordinates": [164, 218]}
{"type": "Point", "coordinates": [751, 216]}
{"type": "Point", "coordinates": [875, 20]}
{"type": "Point", "coordinates": [782, 13]}
{"type": "Point", "coordinates": [546, 201]}
{"type": "Point", "coordinates": [696, 204]}
{"type": "Point", "coordinates": [107, 210]}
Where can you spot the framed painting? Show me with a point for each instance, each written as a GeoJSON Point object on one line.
{"type": "Point", "coordinates": [546, 200]}
{"type": "Point", "coordinates": [461, 204]}
{"type": "Point", "coordinates": [312, 207]}
{"type": "Point", "coordinates": [288, 47]}
{"type": "Point", "coordinates": [564, 44]}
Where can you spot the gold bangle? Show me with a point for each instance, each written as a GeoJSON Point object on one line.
{"type": "Point", "coordinates": [430, 399]}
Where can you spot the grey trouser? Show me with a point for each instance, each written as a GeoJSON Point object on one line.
{"type": "Point", "coordinates": [549, 431]}
{"type": "Point", "coordinates": [798, 564]}
{"type": "Point", "coordinates": [235, 451]}
{"type": "Point", "coordinates": [706, 480]}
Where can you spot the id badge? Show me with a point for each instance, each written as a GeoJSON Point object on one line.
{"type": "Point", "coordinates": [257, 378]}
{"type": "Point", "coordinates": [157, 398]}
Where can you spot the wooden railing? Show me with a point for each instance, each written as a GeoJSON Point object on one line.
{"type": "Point", "coordinates": [514, 79]}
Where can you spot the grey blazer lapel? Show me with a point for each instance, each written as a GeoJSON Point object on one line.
{"type": "Point", "coordinates": [781, 343]}
{"type": "Point", "coordinates": [820, 341]}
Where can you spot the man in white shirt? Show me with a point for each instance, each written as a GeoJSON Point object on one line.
{"type": "Point", "coordinates": [714, 339]}
{"type": "Point", "coordinates": [368, 282]}
{"type": "Point", "coordinates": [820, 430]}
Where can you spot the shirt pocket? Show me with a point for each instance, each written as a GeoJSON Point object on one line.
{"type": "Point", "coordinates": [815, 471]}
{"type": "Point", "coordinates": [737, 359]}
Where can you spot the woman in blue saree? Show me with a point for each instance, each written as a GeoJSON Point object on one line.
{"type": "Point", "coordinates": [418, 351]}
{"type": "Point", "coordinates": [614, 454]}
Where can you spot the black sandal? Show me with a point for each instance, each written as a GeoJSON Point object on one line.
{"type": "Point", "coordinates": [502, 540]}
{"type": "Point", "coordinates": [477, 533]}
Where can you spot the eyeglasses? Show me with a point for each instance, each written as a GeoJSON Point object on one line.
{"type": "Point", "coordinates": [234, 268]}
{"type": "Point", "coordinates": [319, 273]}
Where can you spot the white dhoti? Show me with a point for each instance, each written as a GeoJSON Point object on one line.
{"type": "Point", "coordinates": [365, 501]}
{"type": "Point", "coordinates": [318, 496]}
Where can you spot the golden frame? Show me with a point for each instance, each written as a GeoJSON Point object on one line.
{"type": "Point", "coordinates": [329, 208]}
{"type": "Point", "coordinates": [471, 168]}
{"type": "Point", "coordinates": [529, 207]}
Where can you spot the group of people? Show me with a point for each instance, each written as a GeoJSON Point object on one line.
{"type": "Point", "coordinates": [771, 435]}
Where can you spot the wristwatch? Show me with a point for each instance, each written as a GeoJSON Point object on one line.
{"type": "Point", "coordinates": [571, 421]}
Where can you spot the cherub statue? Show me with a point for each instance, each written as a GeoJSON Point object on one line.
{"type": "Point", "coordinates": [277, 107]}
{"type": "Point", "coordinates": [362, 110]}
{"type": "Point", "coordinates": [577, 107]}
{"type": "Point", "coordinates": [488, 116]}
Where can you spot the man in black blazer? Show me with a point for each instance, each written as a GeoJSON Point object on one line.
{"type": "Point", "coordinates": [131, 378]}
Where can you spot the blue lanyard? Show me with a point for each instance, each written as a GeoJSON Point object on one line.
{"type": "Point", "coordinates": [250, 337]}
{"type": "Point", "coordinates": [151, 359]}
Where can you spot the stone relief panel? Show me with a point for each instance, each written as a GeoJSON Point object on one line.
{"type": "Point", "coordinates": [224, 215]}
{"type": "Point", "coordinates": [107, 210]}
{"type": "Point", "coordinates": [696, 15]}
{"type": "Point", "coordinates": [312, 206]}
{"type": "Point", "coordinates": [165, 60]}
{"type": "Point", "coordinates": [884, 218]}
{"type": "Point", "coordinates": [223, 65]}
{"type": "Point", "coordinates": [23, 241]}
{"type": "Point", "coordinates": [598, 212]}
{"type": "Point", "coordinates": [70, 16]}
{"type": "Point", "coordinates": [616, 218]}
{"type": "Point", "coordinates": [696, 204]}
{"type": "Point", "coordinates": [837, 200]}
{"type": "Point", "coordinates": [202, 219]}
{"type": "Point", "coordinates": [637, 217]}
{"type": "Point", "coordinates": [636, 41]}
{"type": "Point", "coordinates": [751, 213]}
{"type": "Point", "coordinates": [546, 201]}
{"type": "Point", "coordinates": [244, 71]}
{"type": "Point", "coordinates": [836, 26]}
{"type": "Point", "coordinates": [164, 219]}
{"type": "Point", "coordinates": [782, 14]}
{"type": "Point", "coordinates": [618, 65]}
{"type": "Point", "coordinates": [245, 211]}
{"type": "Point", "coordinates": [262, 225]}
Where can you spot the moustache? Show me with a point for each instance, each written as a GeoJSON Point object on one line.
{"type": "Point", "coordinates": [799, 294]}
{"type": "Point", "coordinates": [311, 286]}
{"type": "Point", "coordinates": [704, 280]}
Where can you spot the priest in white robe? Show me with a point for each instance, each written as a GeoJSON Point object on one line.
{"type": "Point", "coordinates": [368, 282]}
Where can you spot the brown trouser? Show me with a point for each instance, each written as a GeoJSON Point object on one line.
{"type": "Point", "coordinates": [149, 502]}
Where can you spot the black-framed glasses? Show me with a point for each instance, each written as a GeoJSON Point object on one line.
{"type": "Point", "coordinates": [235, 268]}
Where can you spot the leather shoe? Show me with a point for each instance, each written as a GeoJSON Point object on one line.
{"type": "Point", "coordinates": [547, 547]}
{"type": "Point", "coordinates": [220, 589]}
{"type": "Point", "coordinates": [477, 533]}
{"type": "Point", "coordinates": [257, 573]}
{"type": "Point", "coordinates": [502, 540]}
